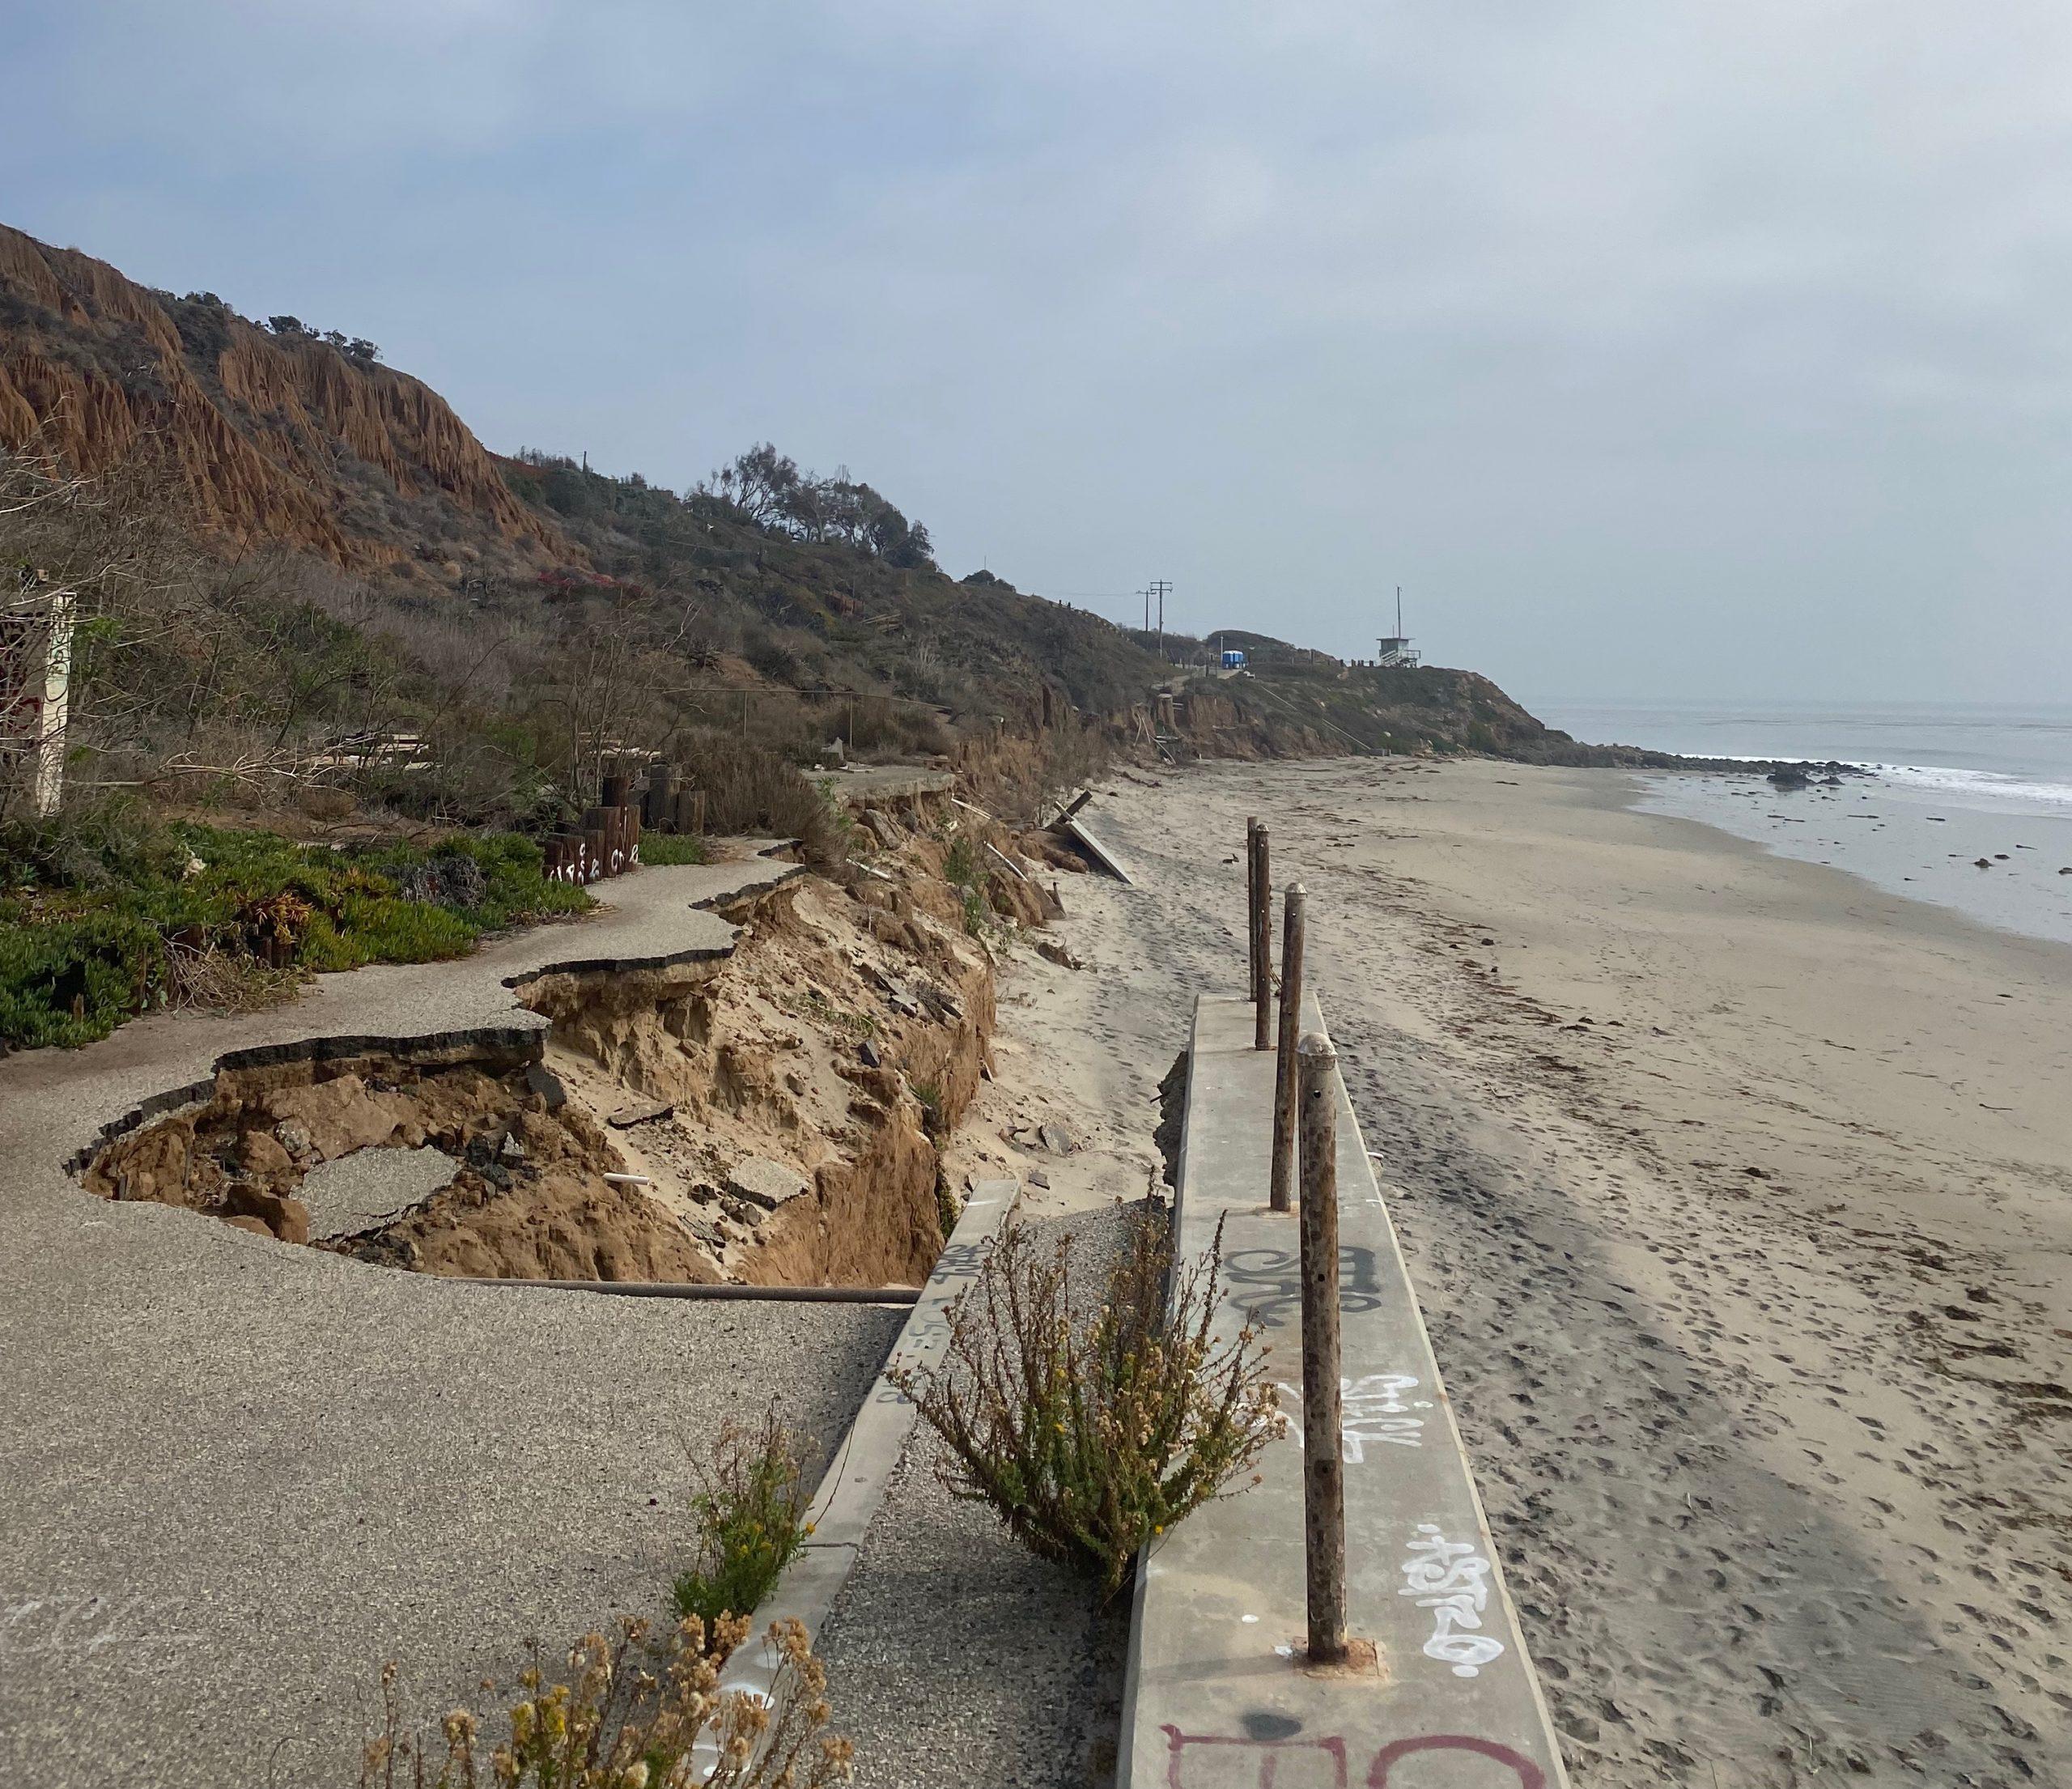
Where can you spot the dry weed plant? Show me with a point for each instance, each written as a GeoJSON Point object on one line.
{"type": "Point", "coordinates": [750, 1507]}
{"type": "Point", "coordinates": [635, 1712]}
{"type": "Point", "coordinates": [215, 980]}
{"type": "Point", "coordinates": [1091, 1435]}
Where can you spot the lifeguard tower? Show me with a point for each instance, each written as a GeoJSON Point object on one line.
{"type": "Point", "coordinates": [1397, 652]}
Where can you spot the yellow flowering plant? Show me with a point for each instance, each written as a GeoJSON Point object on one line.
{"type": "Point", "coordinates": [639, 1711]}
{"type": "Point", "coordinates": [749, 1507]}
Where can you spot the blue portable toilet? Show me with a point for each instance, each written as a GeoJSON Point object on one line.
{"type": "Point", "coordinates": [1234, 660]}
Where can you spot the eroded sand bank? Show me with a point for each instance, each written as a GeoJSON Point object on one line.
{"type": "Point", "coordinates": [1738, 1200]}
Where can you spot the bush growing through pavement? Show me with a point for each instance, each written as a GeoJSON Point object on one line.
{"type": "Point", "coordinates": [750, 1507]}
{"type": "Point", "coordinates": [1091, 1435]}
{"type": "Point", "coordinates": [633, 1713]}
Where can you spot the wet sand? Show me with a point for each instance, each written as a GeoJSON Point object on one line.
{"type": "Point", "coordinates": [1737, 1197]}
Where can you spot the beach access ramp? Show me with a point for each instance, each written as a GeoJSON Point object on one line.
{"type": "Point", "coordinates": [1216, 1695]}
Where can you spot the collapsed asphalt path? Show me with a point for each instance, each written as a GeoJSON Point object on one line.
{"type": "Point", "coordinates": [239, 1475]}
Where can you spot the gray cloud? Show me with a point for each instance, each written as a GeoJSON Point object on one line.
{"type": "Point", "coordinates": [1678, 349]}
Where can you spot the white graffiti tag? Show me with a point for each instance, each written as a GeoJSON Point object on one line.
{"type": "Point", "coordinates": [1451, 1579]}
{"type": "Point", "coordinates": [1374, 1411]}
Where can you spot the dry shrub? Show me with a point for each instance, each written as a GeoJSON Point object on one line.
{"type": "Point", "coordinates": [1092, 1433]}
{"type": "Point", "coordinates": [216, 980]}
{"type": "Point", "coordinates": [751, 786]}
{"type": "Point", "coordinates": [635, 1712]}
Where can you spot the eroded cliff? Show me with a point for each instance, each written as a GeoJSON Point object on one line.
{"type": "Point", "coordinates": [278, 438]}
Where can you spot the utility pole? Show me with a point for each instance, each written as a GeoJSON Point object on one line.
{"type": "Point", "coordinates": [1159, 587]}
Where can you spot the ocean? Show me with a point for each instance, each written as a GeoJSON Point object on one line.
{"type": "Point", "coordinates": [1953, 785]}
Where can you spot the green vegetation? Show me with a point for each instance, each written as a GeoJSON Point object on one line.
{"type": "Point", "coordinates": [100, 922]}
{"type": "Point", "coordinates": [673, 847]}
{"type": "Point", "coordinates": [1091, 1433]}
{"type": "Point", "coordinates": [817, 1009]}
{"type": "Point", "coordinates": [929, 1098]}
{"type": "Point", "coordinates": [750, 1509]}
{"type": "Point", "coordinates": [960, 869]}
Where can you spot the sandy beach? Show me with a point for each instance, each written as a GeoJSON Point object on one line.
{"type": "Point", "coordinates": [1737, 1199]}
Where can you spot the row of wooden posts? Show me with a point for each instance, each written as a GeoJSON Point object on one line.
{"type": "Point", "coordinates": [608, 841]}
{"type": "Point", "coordinates": [1305, 1150]}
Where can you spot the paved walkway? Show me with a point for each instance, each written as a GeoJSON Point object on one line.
{"type": "Point", "coordinates": [238, 1476]}
{"type": "Point", "coordinates": [1215, 1700]}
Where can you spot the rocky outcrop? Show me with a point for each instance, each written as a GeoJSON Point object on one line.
{"type": "Point", "coordinates": [275, 438]}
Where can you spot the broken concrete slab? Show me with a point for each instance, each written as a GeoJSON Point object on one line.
{"type": "Point", "coordinates": [643, 1111]}
{"type": "Point", "coordinates": [370, 1188]}
{"type": "Point", "coordinates": [859, 785]}
{"type": "Point", "coordinates": [767, 1184]}
{"type": "Point", "coordinates": [1101, 856]}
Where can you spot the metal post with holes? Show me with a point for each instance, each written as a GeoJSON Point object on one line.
{"type": "Point", "coordinates": [1281, 1182]}
{"type": "Point", "coordinates": [1323, 1472]}
{"type": "Point", "coordinates": [1252, 902]}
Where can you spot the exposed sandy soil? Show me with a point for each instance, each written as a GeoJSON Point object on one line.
{"type": "Point", "coordinates": [1737, 1199]}
{"type": "Point", "coordinates": [774, 1113]}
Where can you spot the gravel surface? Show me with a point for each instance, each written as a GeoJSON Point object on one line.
{"type": "Point", "coordinates": [956, 1657]}
{"type": "Point", "coordinates": [208, 1602]}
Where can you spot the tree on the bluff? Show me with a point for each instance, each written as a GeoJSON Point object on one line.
{"type": "Point", "coordinates": [767, 488]}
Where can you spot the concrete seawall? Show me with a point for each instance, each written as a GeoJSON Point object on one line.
{"type": "Point", "coordinates": [1216, 1695]}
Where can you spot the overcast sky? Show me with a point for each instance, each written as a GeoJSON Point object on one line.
{"type": "Point", "coordinates": [1657, 349]}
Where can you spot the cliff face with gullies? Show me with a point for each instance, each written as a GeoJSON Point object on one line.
{"type": "Point", "coordinates": [276, 437]}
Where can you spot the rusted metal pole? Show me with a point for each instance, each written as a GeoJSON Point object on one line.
{"type": "Point", "coordinates": [671, 1289]}
{"type": "Point", "coordinates": [1263, 962]}
{"type": "Point", "coordinates": [1324, 1473]}
{"type": "Point", "coordinates": [1281, 1183]}
{"type": "Point", "coordinates": [1252, 902]}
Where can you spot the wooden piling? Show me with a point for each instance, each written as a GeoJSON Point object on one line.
{"type": "Point", "coordinates": [1281, 1182]}
{"type": "Point", "coordinates": [658, 804]}
{"type": "Point", "coordinates": [1324, 1473]}
{"type": "Point", "coordinates": [1263, 952]}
